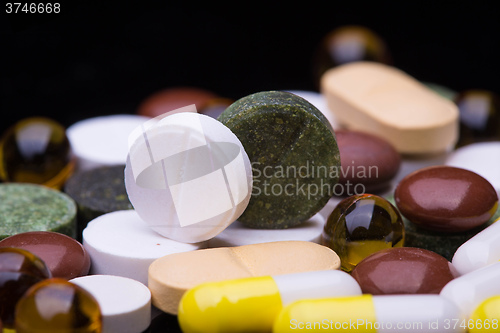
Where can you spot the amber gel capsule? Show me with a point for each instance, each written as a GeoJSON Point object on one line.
{"type": "Point", "coordinates": [19, 270]}
{"type": "Point", "coordinates": [57, 306]}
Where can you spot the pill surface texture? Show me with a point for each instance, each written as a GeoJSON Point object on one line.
{"type": "Point", "coordinates": [469, 290]}
{"type": "Point", "coordinates": [403, 270]}
{"type": "Point", "coordinates": [482, 158]}
{"type": "Point", "coordinates": [121, 243]}
{"type": "Point", "coordinates": [96, 192]}
{"type": "Point", "coordinates": [444, 198]}
{"type": "Point", "coordinates": [102, 141]}
{"type": "Point", "coordinates": [29, 207]}
{"type": "Point", "coordinates": [171, 276]}
{"type": "Point", "coordinates": [361, 225]}
{"type": "Point", "coordinates": [238, 234]}
{"type": "Point", "coordinates": [56, 305]}
{"type": "Point", "coordinates": [486, 317]}
{"type": "Point", "coordinates": [65, 257]}
{"type": "Point", "coordinates": [385, 101]}
{"type": "Point", "coordinates": [294, 157]}
{"type": "Point", "coordinates": [125, 303]}
{"type": "Point", "coordinates": [481, 250]}
{"type": "Point", "coordinates": [366, 159]}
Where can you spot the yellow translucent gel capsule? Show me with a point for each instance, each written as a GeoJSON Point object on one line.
{"type": "Point", "coordinates": [486, 317]}
{"type": "Point", "coordinates": [36, 150]}
{"type": "Point", "coordinates": [361, 225]}
{"type": "Point", "coordinates": [56, 305]}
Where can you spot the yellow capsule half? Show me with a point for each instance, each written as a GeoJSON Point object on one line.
{"type": "Point", "coordinates": [486, 317]}
{"type": "Point", "coordinates": [222, 306]}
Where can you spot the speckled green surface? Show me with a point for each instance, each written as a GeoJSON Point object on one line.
{"type": "Point", "coordinates": [294, 155]}
{"type": "Point", "coordinates": [27, 207]}
{"type": "Point", "coordinates": [97, 192]}
{"type": "Point", "coordinates": [442, 243]}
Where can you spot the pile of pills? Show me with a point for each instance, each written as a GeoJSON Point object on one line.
{"type": "Point", "coordinates": [371, 206]}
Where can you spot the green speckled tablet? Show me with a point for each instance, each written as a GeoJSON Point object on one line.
{"type": "Point", "coordinates": [294, 155]}
{"type": "Point", "coordinates": [28, 207]}
{"type": "Point", "coordinates": [97, 192]}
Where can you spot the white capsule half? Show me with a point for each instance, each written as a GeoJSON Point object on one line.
{"type": "Point", "coordinates": [481, 250]}
{"type": "Point", "coordinates": [469, 290]}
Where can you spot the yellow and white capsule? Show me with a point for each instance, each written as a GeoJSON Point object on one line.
{"type": "Point", "coordinates": [486, 317]}
{"type": "Point", "coordinates": [481, 250]}
{"type": "Point", "coordinates": [469, 290]}
{"type": "Point", "coordinates": [251, 304]}
{"type": "Point", "coordinates": [367, 313]}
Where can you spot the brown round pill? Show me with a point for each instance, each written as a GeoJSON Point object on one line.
{"type": "Point", "coordinates": [366, 159]}
{"type": "Point", "coordinates": [64, 256]}
{"type": "Point", "coordinates": [403, 270]}
{"type": "Point", "coordinates": [444, 198]}
{"type": "Point", "coordinates": [173, 98]}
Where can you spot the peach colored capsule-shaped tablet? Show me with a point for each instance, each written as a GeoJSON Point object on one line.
{"type": "Point", "coordinates": [171, 276]}
{"type": "Point", "coordinates": [385, 101]}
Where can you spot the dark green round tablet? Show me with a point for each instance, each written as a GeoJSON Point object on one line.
{"type": "Point", "coordinates": [28, 207]}
{"type": "Point", "coordinates": [294, 155]}
{"type": "Point", "coordinates": [97, 192]}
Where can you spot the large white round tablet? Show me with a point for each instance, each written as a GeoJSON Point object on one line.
{"type": "Point", "coordinates": [102, 141]}
{"type": "Point", "coordinates": [482, 158]}
{"type": "Point", "coordinates": [120, 243]}
{"type": "Point", "coordinates": [187, 176]}
{"type": "Point", "coordinates": [319, 101]}
{"type": "Point", "coordinates": [125, 303]}
{"type": "Point", "coordinates": [237, 234]}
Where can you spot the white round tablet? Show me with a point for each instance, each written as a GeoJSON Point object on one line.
{"type": "Point", "coordinates": [120, 243]}
{"type": "Point", "coordinates": [102, 141]}
{"type": "Point", "coordinates": [187, 176]}
{"type": "Point", "coordinates": [482, 158]}
{"type": "Point", "coordinates": [125, 303]}
{"type": "Point", "coordinates": [237, 234]}
{"type": "Point", "coordinates": [319, 101]}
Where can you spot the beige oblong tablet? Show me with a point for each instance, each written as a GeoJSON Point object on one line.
{"type": "Point", "coordinates": [171, 276]}
{"type": "Point", "coordinates": [387, 102]}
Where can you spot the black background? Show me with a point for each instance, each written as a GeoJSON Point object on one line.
{"type": "Point", "coordinates": [98, 58]}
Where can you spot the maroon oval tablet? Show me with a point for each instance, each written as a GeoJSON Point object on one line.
{"type": "Point", "coordinates": [64, 256]}
{"type": "Point", "coordinates": [403, 270]}
{"type": "Point", "coordinates": [444, 198]}
{"type": "Point", "coordinates": [173, 98]}
{"type": "Point", "coordinates": [366, 159]}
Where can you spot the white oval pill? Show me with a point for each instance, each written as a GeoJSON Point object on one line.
{"type": "Point", "coordinates": [125, 303]}
{"type": "Point", "coordinates": [482, 158]}
{"type": "Point", "coordinates": [481, 250]}
{"type": "Point", "coordinates": [120, 243]}
{"type": "Point", "coordinates": [102, 141]}
{"type": "Point", "coordinates": [187, 176]}
{"type": "Point", "coordinates": [237, 234]}
{"type": "Point", "coordinates": [469, 290]}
